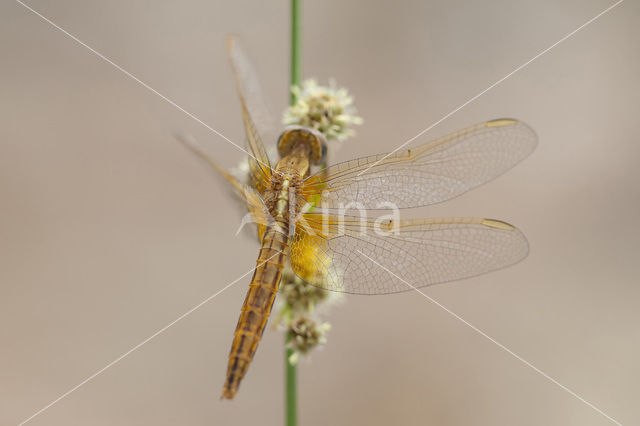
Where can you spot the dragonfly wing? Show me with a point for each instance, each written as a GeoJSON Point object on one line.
{"type": "Point", "coordinates": [427, 174]}
{"type": "Point", "coordinates": [251, 199]}
{"type": "Point", "coordinates": [361, 257]}
{"type": "Point", "coordinates": [258, 122]}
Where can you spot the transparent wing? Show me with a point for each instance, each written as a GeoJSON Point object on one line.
{"type": "Point", "coordinates": [250, 198]}
{"type": "Point", "coordinates": [430, 173]}
{"type": "Point", "coordinates": [351, 256]}
{"type": "Point", "coordinates": [258, 123]}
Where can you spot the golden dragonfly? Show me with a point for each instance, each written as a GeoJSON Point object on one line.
{"type": "Point", "coordinates": [294, 206]}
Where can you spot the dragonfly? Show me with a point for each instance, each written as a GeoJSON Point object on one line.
{"type": "Point", "coordinates": [297, 209]}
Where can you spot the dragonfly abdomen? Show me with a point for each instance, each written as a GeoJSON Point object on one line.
{"type": "Point", "coordinates": [257, 306]}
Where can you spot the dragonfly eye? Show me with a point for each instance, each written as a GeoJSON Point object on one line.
{"type": "Point", "coordinates": [296, 135]}
{"type": "Point", "coordinates": [323, 159]}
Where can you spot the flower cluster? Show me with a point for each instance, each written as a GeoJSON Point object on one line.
{"type": "Point", "coordinates": [306, 334]}
{"type": "Point", "coordinates": [326, 109]}
{"type": "Point", "coordinates": [299, 311]}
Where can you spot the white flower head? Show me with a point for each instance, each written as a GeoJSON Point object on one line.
{"type": "Point", "coordinates": [306, 334]}
{"type": "Point", "coordinates": [328, 109]}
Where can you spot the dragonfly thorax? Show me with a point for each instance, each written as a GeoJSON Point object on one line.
{"type": "Point", "coordinates": [281, 198]}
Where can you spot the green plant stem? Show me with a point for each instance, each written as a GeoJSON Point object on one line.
{"type": "Point", "coordinates": [296, 47]}
{"type": "Point", "coordinates": [291, 374]}
{"type": "Point", "coordinates": [291, 387]}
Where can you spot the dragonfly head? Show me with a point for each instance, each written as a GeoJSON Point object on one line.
{"type": "Point", "coordinates": [293, 136]}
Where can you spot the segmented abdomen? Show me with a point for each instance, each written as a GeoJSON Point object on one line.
{"type": "Point", "coordinates": [257, 306]}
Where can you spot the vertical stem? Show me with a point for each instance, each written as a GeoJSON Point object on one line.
{"type": "Point", "coordinates": [291, 385]}
{"type": "Point", "coordinates": [296, 47]}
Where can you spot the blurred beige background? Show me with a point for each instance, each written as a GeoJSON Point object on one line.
{"type": "Point", "coordinates": [110, 229]}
